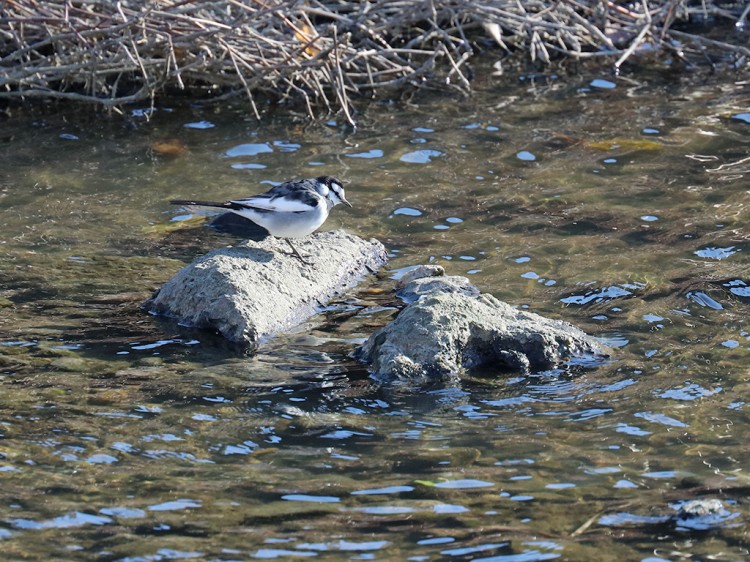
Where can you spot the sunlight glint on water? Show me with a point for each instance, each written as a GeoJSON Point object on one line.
{"type": "Point", "coordinates": [127, 437]}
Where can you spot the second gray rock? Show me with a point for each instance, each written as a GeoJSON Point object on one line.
{"type": "Point", "coordinates": [450, 330]}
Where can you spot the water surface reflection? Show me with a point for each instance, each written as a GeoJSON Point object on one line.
{"type": "Point", "coordinates": [126, 437]}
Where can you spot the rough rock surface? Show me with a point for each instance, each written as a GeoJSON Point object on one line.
{"type": "Point", "coordinates": [703, 515]}
{"type": "Point", "coordinates": [257, 289]}
{"type": "Point", "coordinates": [430, 285]}
{"type": "Point", "coordinates": [447, 331]}
{"type": "Point", "coordinates": [420, 272]}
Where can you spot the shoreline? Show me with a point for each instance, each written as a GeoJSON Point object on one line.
{"type": "Point", "coordinates": [327, 55]}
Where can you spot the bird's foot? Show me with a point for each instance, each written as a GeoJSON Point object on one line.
{"type": "Point", "coordinates": [298, 256]}
{"type": "Point", "coordinates": [295, 253]}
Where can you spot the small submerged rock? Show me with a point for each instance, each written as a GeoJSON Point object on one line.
{"type": "Point", "coordinates": [257, 289]}
{"type": "Point", "coordinates": [692, 515]}
{"type": "Point", "coordinates": [419, 272]}
{"type": "Point", "coordinates": [416, 288]}
{"type": "Point", "coordinates": [703, 515]}
{"type": "Point", "coordinates": [449, 326]}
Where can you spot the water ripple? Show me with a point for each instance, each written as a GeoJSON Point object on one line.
{"type": "Point", "coordinates": [604, 294]}
{"type": "Point", "coordinates": [420, 156]}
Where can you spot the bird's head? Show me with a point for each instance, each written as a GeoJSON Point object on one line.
{"type": "Point", "coordinates": [332, 189]}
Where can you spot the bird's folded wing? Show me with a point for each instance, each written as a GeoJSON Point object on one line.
{"type": "Point", "coordinates": [277, 204]}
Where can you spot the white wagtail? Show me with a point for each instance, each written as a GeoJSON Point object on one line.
{"type": "Point", "coordinates": [292, 209]}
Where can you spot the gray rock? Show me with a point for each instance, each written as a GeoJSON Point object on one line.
{"type": "Point", "coordinates": [699, 508]}
{"type": "Point", "coordinates": [257, 289]}
{"type": "Point", "coordinates": [419, 271]}
{"type": "Point", "coordinates": [443, 333]}
{"type": "Point", "coordinates": [431, 285]}
{"type": "Point", "coordinates": [703, 514]}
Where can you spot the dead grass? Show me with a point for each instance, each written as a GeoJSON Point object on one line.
{"type": "Point", "coordinates": [325, 53]}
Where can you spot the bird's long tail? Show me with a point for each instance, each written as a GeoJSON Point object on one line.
{"type": "Point", "coordinates": [229, 205]}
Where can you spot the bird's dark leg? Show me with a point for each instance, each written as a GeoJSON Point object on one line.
{"type": "Point", "coordinates": [295, 253]}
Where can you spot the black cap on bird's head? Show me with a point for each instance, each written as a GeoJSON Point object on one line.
{"type": "Point", "coordinates": [336, 189]}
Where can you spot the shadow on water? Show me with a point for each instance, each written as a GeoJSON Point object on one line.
{"type": "Point", "coordinates": [618, 208]}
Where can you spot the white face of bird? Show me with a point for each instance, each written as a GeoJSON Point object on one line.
{"type": "Point", "coordinates": [332, 189]}
{"type": "Point", "coordinates": [337, 193]}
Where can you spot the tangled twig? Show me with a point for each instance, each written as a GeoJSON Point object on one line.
{"type": "Point", "coordinates": [325, 52]}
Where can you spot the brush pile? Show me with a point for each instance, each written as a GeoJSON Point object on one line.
{"type": "Point", "coordinates": [324, 52]}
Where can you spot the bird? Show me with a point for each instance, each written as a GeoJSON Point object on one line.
{"type": "Point", "coordinates": [292, 209]}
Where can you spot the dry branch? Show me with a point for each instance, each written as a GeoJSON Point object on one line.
{"type": "Point", "coordinates": [323, 52]}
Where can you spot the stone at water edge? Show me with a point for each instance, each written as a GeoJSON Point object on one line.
{"type": "Point", "coordinates": [420, 272]}
{"type": "Point", "coordinates": [436, 284]}
{"type": "Point", "coordinates": [446, 331]}
{"type": "Point", "coordinates": [256, 289]}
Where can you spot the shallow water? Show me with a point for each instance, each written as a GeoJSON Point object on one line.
{"type": "Point", "coordinates": [616, 204]}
